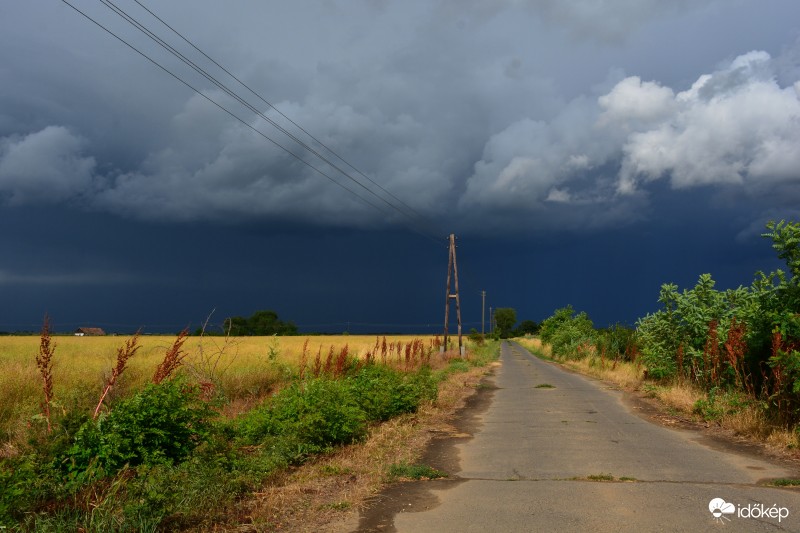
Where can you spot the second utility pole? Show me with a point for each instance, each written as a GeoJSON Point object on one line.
{"type": "Point", "coordinates": [483, 311]}
{"type": "Point", "coordinates": [452, 268]}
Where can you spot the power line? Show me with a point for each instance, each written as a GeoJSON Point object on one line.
{"type": "Point", "coordinates": [257, 95]}
{"type": "Point", "coordinates": [417, 224]}
{"type": "Point", "coordinates": [223, 108]}
{"type": "Point", "coordinates": [223, 87]}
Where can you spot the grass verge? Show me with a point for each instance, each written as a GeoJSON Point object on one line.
{"type": "Point", "coordinates": [302, 499]}
{"type": "Point", "coordinates": [170, 456]}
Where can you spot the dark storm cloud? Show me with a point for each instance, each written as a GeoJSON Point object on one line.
{"type": "Point", "coordinates": [437, 112]}
{"type": "Point", "coordinates": [536, 118]}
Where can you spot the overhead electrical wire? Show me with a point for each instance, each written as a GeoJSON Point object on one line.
{"type": "Point", "coordinates": [220, 106]}
{"type": "Point", "coordinates": [414, 220]}
{"type": "Point", "coordinates": [410, 209]}
{"type": "Point", "coordinates": [227, 90]}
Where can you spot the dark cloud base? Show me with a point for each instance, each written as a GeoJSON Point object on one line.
{"type": "Point", "coordinates": [95, 269]}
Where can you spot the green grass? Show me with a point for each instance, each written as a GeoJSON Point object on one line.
{"type": "Point", "coordinates": [600, 477]}
{"type": "Point", "coordinates": [785, 482]}
{"type": "Point", "coordinates": [337, 506]}
{"type": "Point", "coordinates": [334, 470]}
{"type": "Point", "coordinates": [415, 471]}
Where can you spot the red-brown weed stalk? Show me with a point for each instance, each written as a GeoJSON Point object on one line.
{"type": "Point", "coordinates": [735, 348]}
{"type": "Point", "coordinates": [711, 353]}
{"type": "Point", "coordinates": [123, 354]}
{"type": "Point", "coordinates": [317, 363]}
{"type": "Point", "coordinates": [172, 359]}
{"type": "Point", "coordinates": [329, 361]}
{"type": "Point", "coordinates": [303, 360]}
{"type": "Point", "coordinates": [44, 361]}
{"type": "Point", "coordinates": [341, 360]}
{"type": "Point", "coordinates": [679, 356]}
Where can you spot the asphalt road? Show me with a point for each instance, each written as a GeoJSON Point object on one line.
{"type": "Point", "coordinates": [539, 453]}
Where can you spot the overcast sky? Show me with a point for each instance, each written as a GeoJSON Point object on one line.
{"type": "Point", "coordinates": [584, 152]}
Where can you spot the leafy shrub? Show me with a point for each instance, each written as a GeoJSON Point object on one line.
{"type": "Point", "coordinates": [308, 417]}
{"type": "Point", "coordinates": [314, 415]}
{"type": "Point", "coordinates": [14, 481]}
{"type": "Point", "coordinates": [616, 342]}
{"type": "Point", "coordinates": [384, 393]}
{"type": "Point", "coordinates": [161, 424]}
{"type": "Point", "coordinates": [477, 338]}
{"type": "Point", "coordinates": [568, 334]}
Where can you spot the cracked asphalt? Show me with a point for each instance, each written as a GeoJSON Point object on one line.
{"type": "Point", "coordinates": [543, 449]}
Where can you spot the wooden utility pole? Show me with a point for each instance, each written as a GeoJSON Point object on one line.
{"type": "Point", "coordinates": [483, 311]}
{"type": "Point", "coordinates": [452, 269]}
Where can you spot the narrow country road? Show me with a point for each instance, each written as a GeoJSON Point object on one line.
{"type": "Point", "coordinates": [541, 453]}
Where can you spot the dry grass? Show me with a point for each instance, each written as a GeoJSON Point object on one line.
{"type": "Point", "coordinates": [626, 375]}
{"type": "Point", "coordinates": [535, 345]}
{"type": "Point", "coordinates": [680, 396]}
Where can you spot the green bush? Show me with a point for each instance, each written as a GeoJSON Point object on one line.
{"type": "Point", "coordinates": [384, 393]}
{"type": "Point", "coordinates": [616, 342]}
{"type": "Point", "coordinates": [161, 424]}
{"type": "Point", "coordinates": [476, 338]}
{"type": "Point", "coordinates": [307, 417]}
{"type": "Point", "coordinates": [568, 334]}
{"type": "Point", "coordinates": [15, 477]}
{"type": "Point", "coordinates": [317, 414]}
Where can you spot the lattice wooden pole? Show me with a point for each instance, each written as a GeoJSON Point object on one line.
{"type": "Point", "coordinates": [452, 272]}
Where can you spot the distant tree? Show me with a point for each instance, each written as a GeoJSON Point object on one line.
{"type": "Point", "coordinates": [526, 327]}
{"type": "Point", "coordinates": [237, 326]}
{"type": "Point", "coordinates": [259, 323]}
{"type": "Point", "coordinates": [505, 318]}
{"type": "Point", "coordinates": [477, 338]}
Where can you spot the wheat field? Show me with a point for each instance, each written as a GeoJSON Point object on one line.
{"type": "Point", "coordinates": [241, 366]}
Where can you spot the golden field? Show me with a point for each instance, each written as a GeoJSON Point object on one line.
{"type": "Point", "coordinates": [240, 366]}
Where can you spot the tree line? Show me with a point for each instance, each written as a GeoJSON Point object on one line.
{"type": "Point", "coordinates": [260, 323]}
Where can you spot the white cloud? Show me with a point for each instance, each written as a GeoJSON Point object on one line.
{"type": "Point", "coordinates": [736, 126]}
{"type": "Point", "coordinates": [632, 104]}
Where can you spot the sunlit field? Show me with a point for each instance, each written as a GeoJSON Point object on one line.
{"type": "Point", "coordinates": [240, 367]}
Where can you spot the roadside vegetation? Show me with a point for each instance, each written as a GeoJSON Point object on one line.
{"type": "Point", "coordinates": [171, 437]}
{"type": "Point", "coordinates": [728, 357]}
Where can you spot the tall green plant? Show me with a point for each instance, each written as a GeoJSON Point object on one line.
{"type": "Point", "coordinates": [746, 338]}
{"type": "Point", "coordinates": [569, 334]}
{"type": "Point", "coordinates": [162, 423]}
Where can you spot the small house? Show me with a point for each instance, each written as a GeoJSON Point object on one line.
{"type": "Point", "coordinates": [89, 332]}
